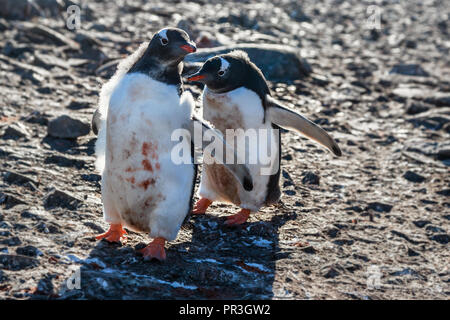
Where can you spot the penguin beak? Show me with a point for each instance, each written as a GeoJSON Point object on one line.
{"type": "Point", "coordinates": [196, 77]}
{"type": "Point", "coordinates": [189, 48]}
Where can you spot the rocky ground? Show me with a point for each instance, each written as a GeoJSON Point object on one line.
{"type": "Point", "coordinates": [372, 224]}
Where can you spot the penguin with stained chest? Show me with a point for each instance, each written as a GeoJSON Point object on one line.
{"type": "Point", "coordinates": [143, 189]}
{"type": "Point", "coordinates": [236, 96]}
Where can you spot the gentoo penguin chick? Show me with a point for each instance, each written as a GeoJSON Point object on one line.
{"type": "Point", "coordinates": [236, 96]}
{"type": "Point", "coordinates": [140, 107]}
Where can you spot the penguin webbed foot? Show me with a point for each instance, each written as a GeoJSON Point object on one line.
{"type": "Point", "coordinates": [201, 206]}
{"type": "Point", "coordinates": [115, 233]}
{"type": "Point", "coordinates": [239, 218]}
{"type": "Point", "coordinates": [154, 250]}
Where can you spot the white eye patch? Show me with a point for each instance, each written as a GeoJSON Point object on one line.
{"type": "Point", "coordinates": [163, 34]}
{"type": "Point", "coordinates": [224, 65]}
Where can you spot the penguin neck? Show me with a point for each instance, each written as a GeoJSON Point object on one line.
{"type": "Point", "coordinates": [169, 73]}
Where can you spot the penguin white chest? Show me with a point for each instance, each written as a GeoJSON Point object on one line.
{"type": "Point", "coordinates": [140, 181]}
{"type": "Point", "coordinates": [237, 109]}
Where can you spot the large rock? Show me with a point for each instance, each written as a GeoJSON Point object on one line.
{"type": "Point", "coordinates": [26, 9]}
{"type": "Point", "coordinates": [409, 70]}
{"type": "Point", "coordinates": [67, 127]}
{"type": "Point", "coordinates": [277, 62]}
{"type": "Point", "coordinates": [59, 199]}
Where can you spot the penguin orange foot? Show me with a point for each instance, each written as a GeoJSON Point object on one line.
{"type": "Point", "coordinates": [201, 206]}
{"type": "Point", "coordinates": [115, 234]}
{"type": "Point", "coordinates": [155, 250]}
{"type": "Point", "coordinates": [238, 218]}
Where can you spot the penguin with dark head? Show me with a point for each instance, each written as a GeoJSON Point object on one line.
{"type": "Point", "coordinates": [141, 106]}
{"type": "Point", "coordinates": [236, 94]}
{"type": "Point", "coordinates": [161, 59]}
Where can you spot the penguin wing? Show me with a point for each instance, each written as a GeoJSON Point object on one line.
{"type": "Point", "coordinates": [96, 121]}
{"type": "Point", "coordinates": [288, 119]}
{"type": "Point", "coordinates": [239, 171]}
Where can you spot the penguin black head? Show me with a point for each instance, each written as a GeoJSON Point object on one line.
{"type": "Point", "coordinates": [171, 45]}
{"type": "Point", "coordinates": [230, 71]}
{"type": "Point", "coordinates": [162, 58]}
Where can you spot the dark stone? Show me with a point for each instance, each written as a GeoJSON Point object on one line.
{"type": "Point", "coordinates": [277, 62]}
{"type": "Point", "coordinates": [444, 192]}
{"type": "Point", "coordinates": [30, 251]}
{"type": "Point", "coordinates": [434, 229]}
{"type": "Point", "coordinates": [14, 241]}
{"type": "Point", "coordinates": [421, 223]}
{"type": "Point", "coordinates": [416, 108]}
{"type": "Point", "coordinates": [17, 178]}
{"type": "Point", "coordinates": [15, 131]}
{"type": "Point", "coordinates": [380, 207]}
{"type": "Point", "coordinates": [9, 201]}
{"type": "Point", "coordinates": [50, 228]}
{"type": "Point", "coordinates": [60, 199]}
{"type": "Point", "coordinates": [30, 215]}
{"type": "Point", "coordinates": [443, 154]}
{"type": "Point", "coordinates": [17, 262]}
{"type": "Point", "coordinates": [309, 250]}
{"type": "Point", "coordinates": [91, 177]}
{"type": "Point", "coordinates": [311, 178]}
{"type": "Point", "coordinates": [290, 192]}
{"type": "Point", "coordinates": [441, 238]}
{"type": "Point", "coordinates": [63, 161]}
{"type": "Point", "coordinates": [413, 177]}
{"type": "Point", "coordinates": [439, 99]}
{"type": "Point", "coordinates": [67, 127]}
{"type": "Point", "coordinates": [77, 105]}
{"type": "Point", "coordinates": [411, 44]}
{"type": "Point", "coordinates": [357, 209]}
{"type": "Point", "coordinates": [341, 242]}
{"type": "Point", "coordinates": [332, 232]}
{"type": "Point", "coordinates": [330, 272]}
{"type": "Point", "coordinates": [3, 276]}
{"type": "Point", "coordinates": [37, 117]}
{"type": "Point", "coordinates": [409, 70]}
{"type": "Point", "coordinates": [412, 253]}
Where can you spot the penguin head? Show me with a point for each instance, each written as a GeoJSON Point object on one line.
{"type": "Point", "coordinates": [225, 72]}
{"type": "Point", "coordinates": [171, 45]}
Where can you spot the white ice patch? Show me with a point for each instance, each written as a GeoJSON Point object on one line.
{"type": "Point", "coordinates": [224, 65]}
{"type": "Point", "coordinates": [207, 260]}
{"type": "Point", "coordinates": [122, 273]}
{"type": "Point", "coordinates": [258, 266]}
{"type": "Point", "coordinates": [260, 242]}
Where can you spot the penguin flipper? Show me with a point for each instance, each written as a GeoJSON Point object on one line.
{"type": "Point", "coordinates": [240, 171]}
{"type": "Point", "coordinates": [285, 118]}
{"type": "Point", "coordinates": [96, 121]}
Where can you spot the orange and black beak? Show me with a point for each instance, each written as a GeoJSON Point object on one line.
{"type": "Point", "coordinates": [196, 77]}
{"type": "Point", "coordinates": [189, 47]}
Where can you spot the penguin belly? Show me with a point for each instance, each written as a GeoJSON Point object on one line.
{"type": "Point", "coordinates": [142, 188]}
{"type": "Point", "coordinates": [237, 109]}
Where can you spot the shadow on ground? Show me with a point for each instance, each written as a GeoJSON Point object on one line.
{"type": "Point", "coordinates": [218, 263]}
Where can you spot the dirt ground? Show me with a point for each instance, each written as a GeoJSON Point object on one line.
{"type": "Point", "coordinates": [372, 224]}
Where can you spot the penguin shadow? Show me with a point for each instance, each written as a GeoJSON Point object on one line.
{"type": "Point", "coordinates": [236, 262]}
{"type": "Point", "coordinates": [208, 260]}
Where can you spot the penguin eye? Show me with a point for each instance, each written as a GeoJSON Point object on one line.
{"type": "Point", "coordinates": [164, 41]}
{"type": "Point", "coordinates": [221, 73]}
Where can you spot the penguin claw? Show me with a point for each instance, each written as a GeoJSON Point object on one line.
{"type": "Point", "coordinates": [154, 250]}
{"type": "Point", "coordinates": [115, 234]}
{"type": "Point", "coordinates": [201, 206]}
{"type": "Point", "coordinates": [238, 218]}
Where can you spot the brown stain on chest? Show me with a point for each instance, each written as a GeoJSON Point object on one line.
{"type": "Point", "coordinates": [226, 114]}
{"type": "Point", "coordinates": [224, 183]}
